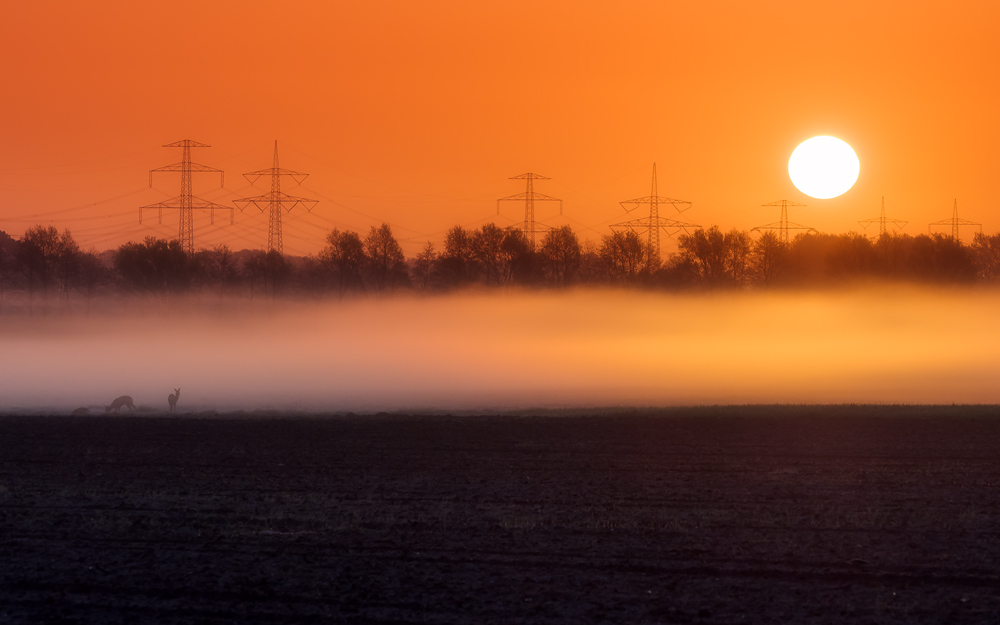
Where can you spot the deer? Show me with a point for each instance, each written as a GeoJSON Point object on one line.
{"type": "Point", "coordinates": [116, 405]}
{"type": "Point", "coordinates": [172, 398]}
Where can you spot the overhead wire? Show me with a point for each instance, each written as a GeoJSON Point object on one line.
{"type": "Point", "coordinates": [74, 208]}
{"type": "Point", "coordinates": [353, 210]}
{"type": "Point", "coordinates": [87, 162]}
{"type": "Point", "coordinates": [69, 219]}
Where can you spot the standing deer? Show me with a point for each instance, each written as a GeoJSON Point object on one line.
{"type": "Point", "coordinates": [172, 399]}
{"type": "Point", "coordinates": [116, 405]}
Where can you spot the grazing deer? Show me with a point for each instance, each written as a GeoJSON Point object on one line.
{"type": "Point", "coordinates": [172, 399]}
{"type": "Point", "coordinates": [116, 405]}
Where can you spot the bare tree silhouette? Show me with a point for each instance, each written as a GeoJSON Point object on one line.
{"type": "Point", "coordinates": [344, 255]}
{"type": "Point", "coordinates": [424, 265]}
{"type": "Point", "coordinates": [768, 254]}
{"type": "Point", "coordinates": [67, 263]}
{"type": "Point", "coordinates": [560, 252]}
{"type": "Point", "coordinates": [155, 266]}
{"type": "Point", "coordinates": [850, 257]}
{"type": "Point", "coordinates": [384, 260]}
{"type": "Point", "coordinates": [590, 270]}
{"type": "Point", "coordinates": [738, 261]}
{"type": "Point", "coordinates": [624, 256]}
{"type": "Point", "coordinates": [225, 266]}
{"type": "Point", "coordinates": [254, 268]}
{"type": "Point", "coordinates": [38, 253]}
{"type": "Point", "coordinates": [92, 274]}
{"type": "Point", "coordinates": [486, 249]}
{"type": "Point", "coordinates": [942, 259]}
{"type": "Point", "coordinates": [457, 264]}
{"type": "Point", "coordinates": [708, 252]}
{"type": "Point", "coordinates": [986, 256]}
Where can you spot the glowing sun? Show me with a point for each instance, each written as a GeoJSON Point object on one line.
{"type": "Point", "coordinates": [823, 167]}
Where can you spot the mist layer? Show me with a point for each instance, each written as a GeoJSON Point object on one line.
{"type": "Point", "coordinates": [508, 351]}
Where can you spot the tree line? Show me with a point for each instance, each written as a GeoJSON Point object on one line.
{"type": "Point", "coordinates": [45, 263]}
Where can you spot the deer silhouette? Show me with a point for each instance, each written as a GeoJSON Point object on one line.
{"type": "Point", "coordinates": [172, 399]}
{"type": "Point", "coordinates": [116, 405]}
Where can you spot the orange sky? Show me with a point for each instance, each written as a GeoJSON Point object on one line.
{"type": "Point", "coordinates": [416, 113]}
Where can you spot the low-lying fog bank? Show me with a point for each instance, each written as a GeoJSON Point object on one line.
{"type": "Point", "coordinates": [509, 351]}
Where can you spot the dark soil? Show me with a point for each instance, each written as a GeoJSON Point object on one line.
{"type": "Point", "coordinates": [712, 515]}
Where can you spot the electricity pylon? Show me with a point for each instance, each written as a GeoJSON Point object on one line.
{"type": "Point", "coordinates": [954, 222]}
{"type": "Point", "coordinates": [882, 221]}
{"type": "Point", "coordinates": [783, 226]}
{"type": "Point", "coordinates": [186, 201]}
{"type": "Point", "coordinates": [530, 226]}
{"type": "Point", "coordinates": [276, 199]}
{"type": "Point", "coordinates": [651, 225]}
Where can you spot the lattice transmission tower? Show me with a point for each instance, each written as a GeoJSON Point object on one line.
{"type": "Point", "coordinates": [530, 196]}
{"type": "Point", "coordinates": [651, 225]}
{"type": "Point", "coordinates": [276, 199]}
{"type": "Point", "coordinates": [783, 225]}
{"type": "Point", "coordinates": [883, 222]}
{"type": "Point", "coordinates": [186, 202]}
{"type": "Point", "coordinates": [954, 222]}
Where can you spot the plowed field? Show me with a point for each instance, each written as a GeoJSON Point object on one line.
{"type": "Point", "coordinates": [709, 515]}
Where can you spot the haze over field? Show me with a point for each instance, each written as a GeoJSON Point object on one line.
{"type": "Point", "coordinates": [474, 352]}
